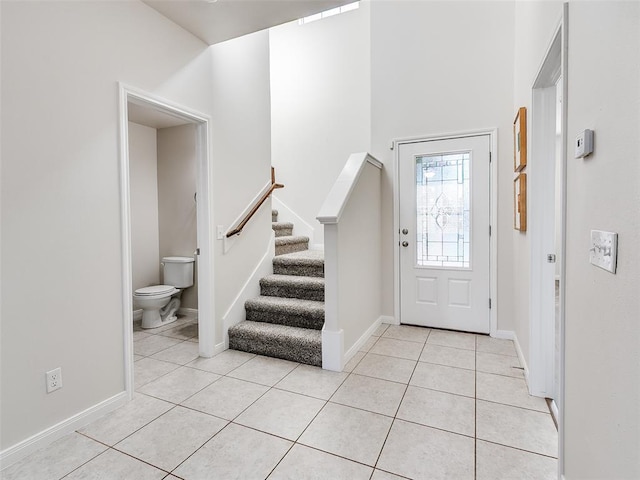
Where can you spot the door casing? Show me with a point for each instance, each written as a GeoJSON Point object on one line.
{"type": "Point", "coordinates": [493, 216]}
{"type": "Point", "coordinates": [542, 330]}
{"type": "Point", "coordinates": [206, 320]}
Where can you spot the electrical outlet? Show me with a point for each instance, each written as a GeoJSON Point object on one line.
{"type": "Point", "coordinates": [54, 379]}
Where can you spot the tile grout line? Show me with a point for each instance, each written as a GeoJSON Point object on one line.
{"type": "Point", "coordinates": [475, 412]}
{"type": "Point", "coordinates": [386, 438]}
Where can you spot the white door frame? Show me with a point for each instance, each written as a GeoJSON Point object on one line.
{"type": "Point", "coordinates": [493, 217]}
{"type": "Point", "coordinates": [206, 320]}
{"type": "Point", "coordinates": [542, 328]}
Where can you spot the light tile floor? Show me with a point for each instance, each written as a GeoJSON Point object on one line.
{"type": "Point", "coordinates": [414, 403]}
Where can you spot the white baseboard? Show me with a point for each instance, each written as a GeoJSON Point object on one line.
{"type": "Point", "coordinates": [251, 288]}
{"type": "Point", "coordinates": [510, 335]}
{"type": "Point", "coordinates": [332, 350]}
{"type": "Point", "coordinates": [300, 227]}
{"type": "Point", "coordinates": [189, 312]}
{"type": "Point", "coordinates": [362, 340]}
{"type": "Point", "coordinates": [388, 319]}
{"type": "Point", "coordinates": [40, 440]}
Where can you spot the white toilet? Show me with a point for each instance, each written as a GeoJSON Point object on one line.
{"type": "Point", "coordinates": [160, 303]}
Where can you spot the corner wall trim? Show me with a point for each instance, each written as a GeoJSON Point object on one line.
{"type": "Point", "coordinates": [19, 451]}
{"type": "Point", "coordinates": [363, 339]}
{"type": "Point", "coordinates": [388, 319]}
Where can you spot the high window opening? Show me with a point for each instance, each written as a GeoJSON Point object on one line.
{"type": "Point", "coordinates": [329, 13]}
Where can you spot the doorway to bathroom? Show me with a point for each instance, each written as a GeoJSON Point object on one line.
{"type": "Point", "coordinates": [166, 205]}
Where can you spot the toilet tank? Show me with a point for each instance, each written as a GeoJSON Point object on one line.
{"type": "Point", "coordinates": [178, 271]}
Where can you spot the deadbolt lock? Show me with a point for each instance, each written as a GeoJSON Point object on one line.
{"type": "Point", "coordinates": [405, 231]}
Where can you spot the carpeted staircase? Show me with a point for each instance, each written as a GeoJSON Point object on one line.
{"type": "Point", "coordinates": [286, 320]}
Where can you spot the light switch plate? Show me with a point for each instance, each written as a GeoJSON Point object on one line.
{"type": "Point", "coordinates": [584, 143]}
{"type": "Point", "coordinates": [604, 250]}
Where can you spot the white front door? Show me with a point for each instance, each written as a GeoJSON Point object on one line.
{"type": "Point", "coordinates": [444, 233]}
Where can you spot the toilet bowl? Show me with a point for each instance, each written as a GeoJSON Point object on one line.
{"type": "Point", "coordinates": [160, 303]}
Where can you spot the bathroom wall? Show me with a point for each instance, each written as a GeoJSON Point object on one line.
{"type": "Point", "coordinates": [176, 207]}
{"type": "Point", "coordinates": [143, 180]}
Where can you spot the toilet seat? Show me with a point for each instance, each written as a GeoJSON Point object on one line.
{"type": "Point", "coordinates": [156, 291]}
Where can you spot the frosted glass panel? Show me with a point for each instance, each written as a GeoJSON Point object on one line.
{"type": "Point", "coordinates": [443, 210]}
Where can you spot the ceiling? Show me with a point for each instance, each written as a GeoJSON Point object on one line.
{"type": "Point", "coordinates": [217, 21]}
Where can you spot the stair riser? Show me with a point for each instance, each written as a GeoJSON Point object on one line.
{"type": "Point", "coordinates": [283, 232]}
{"type": "Point", "coordinates": [292, 292]}
{"type": "Point", "coordinates": [295, 351]}
{"type": "Point", "coordinates": [290, 319]}
{"type": "Point", "coordinates": [291, 248]}
{"type": "Point", "coordinates": [299, 270]}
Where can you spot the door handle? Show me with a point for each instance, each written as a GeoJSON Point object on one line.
{"type": "Point", "coordinates": [405, 231]}
{"type": "Point", "coordinates": [405, 244]}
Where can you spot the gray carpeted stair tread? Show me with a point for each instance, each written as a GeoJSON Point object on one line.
{"type": "Point", "coordinates": [282, 229]}
{"type": "Point", "coordinates": [281, 341]}
{"type": "Point", "coordinates": [291, 239]}
{"type": "Point", "coordinates": [294, 312]}
{"type": "Point", "coordinates": [307, 263]}
{"type": "Point", "coordinates": [290, 244]}
{"type": "Point", "coordinates": [293, 286]}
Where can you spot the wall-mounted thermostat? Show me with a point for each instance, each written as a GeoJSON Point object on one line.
{"type": "Point", "coordinates": [584, 143]}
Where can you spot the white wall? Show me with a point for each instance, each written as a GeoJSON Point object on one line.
{"type": "Point", "coordinates": [359, 270]}
{"type": "Point", "coordinates": [442, 67]}
{"type": "Point", "coordinates": [242, 145]}
{"type": "Point", "coordinates": [603, 192]}
{"type": "Point", "coordinates": [176, 207]}
{"type": "Point", "coordinates": [61, 234]}
{"type": "Point", "coordinates": [143, 180]}
{"type": "Point", "coordinates": [320, 86]}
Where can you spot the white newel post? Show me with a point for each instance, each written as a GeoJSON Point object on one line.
{"type": "Point", "coordinates": [332, 334]}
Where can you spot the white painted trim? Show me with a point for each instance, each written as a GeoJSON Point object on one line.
{"type": "Point", "coordinates": [229, 242]}
{"type": "Point", "coordinates": [510, 335]}
{"type": "Point", "coordinates": [542, 185]}
{"type": "Point", "coordinates": [333, 350]}
{"type": "Point", "coordinates": [250, 289]}
{"type": "Point", "coordinates": [362, 340]}
{"type": "Point", "coordinates": [389, 320]}
{"type": "Point", "coordinates": [560, 400]}
{"type": "Point", "coordinates": [205, 233]}
{"type": "Point", "coordinates": [40, 440]}
{"type": "Point", "coordinates": [540, 332]}
{"type": "Point", "coordinates": [338, 196]}
{"type": "Point", "coordinates": [286, 214]}
{"type": "Point", "coordinates": [190, 312]}
{"type": "Point", "coordinates": [493, 217]}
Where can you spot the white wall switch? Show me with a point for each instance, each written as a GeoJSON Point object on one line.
{"type": "Point", "coordinates": [220, 232]}
{"type": "Point", "coordinates": [604, 250]}
{"type": "Point", "coordinates": [584, 143]}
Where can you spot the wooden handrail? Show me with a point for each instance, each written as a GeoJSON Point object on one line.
{"type": "Point", "coordinates": [255, 208]}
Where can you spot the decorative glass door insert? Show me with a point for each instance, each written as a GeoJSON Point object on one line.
{"type": "Point", "coordinates": [443, 214]}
